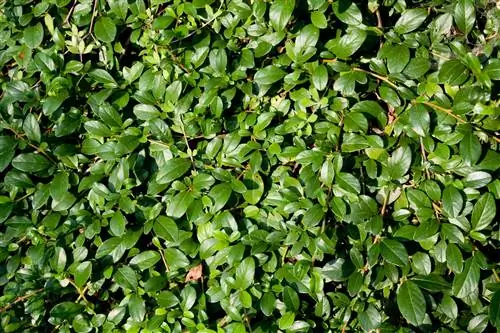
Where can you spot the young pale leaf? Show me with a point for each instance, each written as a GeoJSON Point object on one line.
{"type": "Point", "coordinates": [411, 303]}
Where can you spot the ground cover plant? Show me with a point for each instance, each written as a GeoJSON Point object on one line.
{"type": "Point", "coordinates": [249, 166]}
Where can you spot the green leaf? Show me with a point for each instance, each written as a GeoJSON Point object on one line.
{"type": "Point", "coordinates": [291, 299]}
{"type": "Point", "coordinates": [105, 29]}
{"type": "Point", "coordinates": [33, 35]}
{"type": "Point", "coordinates": [494, 310]}
{"type": "Point", "coordinates": [313, 216]}
{"type": "Point", "coordinates": [484, 212]}
{"type": "Point", "coordinates": [320, 77]}
{"type": "Point", "coordinates": [477, 179]}
{"type": "Point", "coordinates": [172, 169]}
{"type": "Point", "coordinates": [126, 278]}
{"type": "Point", "coordinates": [117, 224]}
{"type": "Point", "coordinates": [399, 162]}
{"type": "Point", "coordinates": [145, 260]}
{"type": "Point", "coordinates": [176, 259]}
{"type": "Point", "coordinates": [268, 303]}
{"type": "Point", "coordinates": [411, 303]}
{"type": "Point", "coordinates": [397, 57]}
{"type": "Point", "coordinates": [137, 308]}
{"type": "Point", "coordinates": [146, 112]}
{"type": "Point", "coordinates": [410, 20]}
{"type": "Point", "coordinates": [453, 72]}
{"type": "Point", "coordinates": [319, 20]}
{"type": "Point", "coordinates": [255, 188]}
{"type": "Point", "coordinates": [66, 310]}
{"type": "Point", "coordinates": [245, 273]}
{"type": "Point", "coordinates": [394, 252]}
{"type": "Point", "coordinates": [31, 128]}
{"type": "Point", "coordinates": [419, 120]}
{"type": "Point", "coordinates": [348, 44]}
{"type": "Point", "coordinates": [465, 15]}
{"type": "Point", "coordinates": [269, 75]}
{"type": "Point", "coordinates": [82, 273]}
{"type": "Point", "coordinates": [470, 148]}
{"type": "Point", "coordinates": [280, 13]}
{"type": "Point", "coordinates": [102, 76]}
{"type": "Point", "coordinates": [178, 205]}
{"type": "Point", "coordinates": [30, 162]}
{"type": "Point", "coordinates": [454, 258]}
{"type": "Point", "coordinates": [370, 319]}
{"type": "Point", "coordinates": [347, 12]}
{"type": "Point", "coordinates": [452, 201]}
{"type": "Point", "coordinates": [286, 321]}
{"type": "Point", "coordinates": [7, 151]}
{"type": "Point", "coordinates": [465, 283]}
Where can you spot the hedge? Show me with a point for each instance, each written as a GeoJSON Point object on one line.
{"type": "Point", "coordinates": [249, 166]}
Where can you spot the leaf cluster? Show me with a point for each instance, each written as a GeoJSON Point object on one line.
{"type": "Point", "coordinates": [249, 166]}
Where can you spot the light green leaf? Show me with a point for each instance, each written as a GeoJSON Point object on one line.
{"type": "Point", "coordinates": [245, 272]}
{"type": "Point", "coordinates": [33, 35]}
{"type": "Point", "coordinates": [410, 20]}
{"type": "Point", "coordinates": [105, 29]}
{"type": "Point", "coordinates": [280, 13]}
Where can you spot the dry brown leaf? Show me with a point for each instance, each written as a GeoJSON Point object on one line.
{"type": "Point", "coordinates": [195, 273]}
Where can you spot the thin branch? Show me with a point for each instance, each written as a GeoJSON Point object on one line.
{"type": "Point", "coordinates": [38, 149]}
{"type": "Point", "coordinates": [424, 158]}
{"type": "Point", "coordinates": [189, 151]}
{"type": "Point", "coordinates": [66, 20]}
{"type": "Point", "coordinates": [449, 112]}
{"type": "Point", "coordinates": [20, 299]}
{"type": "Point", "coordinates": [380, 77]}
{"type": "Point", "coordinates": [203, 26]}
{"type": "Point", "coordinates": [92, 19]}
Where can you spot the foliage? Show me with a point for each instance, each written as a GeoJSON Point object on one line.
{"type": "Point", "coordinates": [249, 166]}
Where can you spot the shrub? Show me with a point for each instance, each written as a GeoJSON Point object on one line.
{"type": "Point", "coordinates": [249, 166]}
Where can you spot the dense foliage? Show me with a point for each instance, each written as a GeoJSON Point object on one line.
{"type": "Point", "coordinates": [249, 166]}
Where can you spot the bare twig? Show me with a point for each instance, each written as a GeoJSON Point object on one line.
{"type": "Point", "coordinates": [92, 19]}
{"type": "Point", "coordinates": [380, 77]}
{"type": "Point", "coordinates": [66, 20]}
{"type": "Point", "coordinates": [20, 299]}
